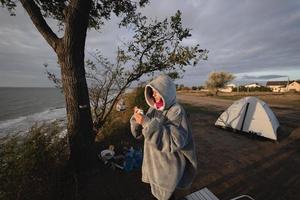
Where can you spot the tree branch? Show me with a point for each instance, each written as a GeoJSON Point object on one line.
{"type": "Point", "coordinates": [114, 102]}
{"type": "Point", "coordinates": [38, 20]}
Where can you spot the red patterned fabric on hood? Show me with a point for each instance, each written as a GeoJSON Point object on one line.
{"type": "Point", "coordinates": [159, 104]}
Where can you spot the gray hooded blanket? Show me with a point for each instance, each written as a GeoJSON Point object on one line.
{"type": "Point", "coordinates": [169, 155]}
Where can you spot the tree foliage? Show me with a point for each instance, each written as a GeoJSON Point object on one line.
{"type": "Point", "coordinates": [252, 89]}
{"type": "Point", "coordinates": [100, 10]}
{"type": "Point", "coordinates": [217, 80]}
{"type": "Point", "coordinates": [74, 17]}
{"type": "Point", "coordinates": [156, 46]}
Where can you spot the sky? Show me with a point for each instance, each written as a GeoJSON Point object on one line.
{"type": "Point", "coordinates": [256, 40]}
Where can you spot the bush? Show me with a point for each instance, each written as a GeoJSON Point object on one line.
{"type": "Point", "coordinates": [32, 164]}
{"type": "Point", "coordinates": [292, 91]}
{"type": "Point", "coordinates": [256, 89]}
{"type": "Point", "coordinates": [119, 121]}
{"type": "Point", "coordinates": [200, 87]}
{"type": "Point", "coordinates": [179, 87]}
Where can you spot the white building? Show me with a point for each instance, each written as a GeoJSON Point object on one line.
{"type": "Point", "coordinates": [252, 85]}
{"type": "Point", "coordinates": [231, 85]}
{"type": "Point", "coordinates": [294, 85]}
{"type": "Point", "coordinates": [228, 88]}
{"type": "Point", "coordinates": [277, 86]}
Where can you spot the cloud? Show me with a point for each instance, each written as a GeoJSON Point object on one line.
{"type": "Point", "coordinates": [264, 77]}
{"type": "Point", "coordinates": [243, 37]}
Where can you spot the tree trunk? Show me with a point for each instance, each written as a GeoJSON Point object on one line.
{"type": "Point", "coordinates": [71, 59]}
{"type": "Point", "coordinates": [79, 126]}
{"type": "Point", "coordinates": [70, 52]}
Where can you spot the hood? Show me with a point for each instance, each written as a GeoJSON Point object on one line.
{"type": "Point", "coordinates": [164, 85]}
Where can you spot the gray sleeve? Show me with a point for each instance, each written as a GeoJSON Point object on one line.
{"type": "Point", "coordinates": [168, 136]}
{"type": "Point", "coordinates": [136, 129]}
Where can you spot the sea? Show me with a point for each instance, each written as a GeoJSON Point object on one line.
{"type": "Point", "coordinates": [21, 108]}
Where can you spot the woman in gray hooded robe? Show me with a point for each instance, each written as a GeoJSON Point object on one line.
{"type": "Point", "coordinates": [169, 160]}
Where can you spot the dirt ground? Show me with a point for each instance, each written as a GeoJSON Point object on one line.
{"type": "Point", "coordinates": [230, 164]}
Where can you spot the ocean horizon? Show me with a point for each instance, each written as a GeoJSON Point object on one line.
{"type": "Point", "coordinates": [22, 107]}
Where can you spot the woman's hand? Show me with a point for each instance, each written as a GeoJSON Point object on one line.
{"type": "Point", "coordinates": [139, 118]}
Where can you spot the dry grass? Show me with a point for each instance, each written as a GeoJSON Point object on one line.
{"type": "Point", "coordinates": [231, 164]}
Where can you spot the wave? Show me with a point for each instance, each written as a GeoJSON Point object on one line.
{"type": "Point", "coordinates": [24, 123]}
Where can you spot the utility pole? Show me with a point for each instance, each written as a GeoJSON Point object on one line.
{"type": "Point", "coordinates": [288, 82]}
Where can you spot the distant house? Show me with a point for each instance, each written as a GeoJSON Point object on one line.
{"type": "Point", "coordinates": [294, 85]}
{"type": "Point", "coordinates": [231, 85]}
{"type": "Point", "coordinates": [277, 86]}
{"type": "Point", "coordinates": [252, 85]}
{"type": "Point", "coordinates": [227, 88]}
